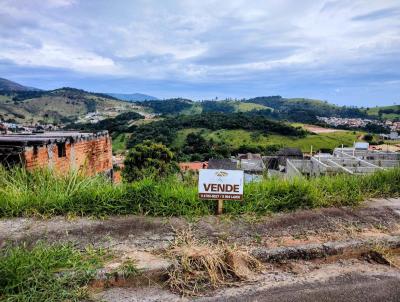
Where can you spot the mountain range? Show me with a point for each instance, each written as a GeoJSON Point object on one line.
{"type": "Point", "coordinates": [20, 103]}
{"type": "Point", "coordinates": [132, 97]}
{"type": "Point", "coordinates": [7, 85]}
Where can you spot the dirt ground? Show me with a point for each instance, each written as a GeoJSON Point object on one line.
{"type": "Point", "coordinates": [387, 147]}
{"type": "Point", "coordinates": [316, 129]}
{"type": "Point", "coordinates": [374, 219]}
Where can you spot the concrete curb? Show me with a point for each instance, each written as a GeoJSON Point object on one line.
{"type": "Point", "coordinates": [118, 278]}
{"type": "Point", "coordinates": [115, 277]}
{"type": "Point", "coordinates": [315, 251]}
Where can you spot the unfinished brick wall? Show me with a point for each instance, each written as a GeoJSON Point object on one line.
{"type": "Point", "coordinates": [91, 156]}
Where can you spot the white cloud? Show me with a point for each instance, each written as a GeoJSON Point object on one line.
{"type": "Point", "coordinates": [60, 56]}
{"type": "Point", "coordinates": [196, 40]}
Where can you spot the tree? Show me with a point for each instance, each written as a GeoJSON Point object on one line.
{"type": "Point", "coordinates": [149, 159]}
{"type": "Point", "coordinates": [196, 143]}
{"type": "Point", "coordinates": [368, 137]}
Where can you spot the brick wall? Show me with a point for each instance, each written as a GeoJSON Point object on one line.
{"type": "Point", "coordinates": [91, 156]}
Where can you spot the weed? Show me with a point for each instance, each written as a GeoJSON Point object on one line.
{"type": "Point", "coordinates": [202, 265]}
{"type": "Point", "coordinates": [42, 193]}
{"type": "Point", "coordinates": [46, 273]}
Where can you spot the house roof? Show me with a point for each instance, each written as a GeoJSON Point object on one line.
{"type": "Point", "coordinates": [35, 139]}
{"type": "Point", "coordinates": [290, 152]}
{"type": "Point", "coordinates": [225, 164]}
{"type": "Point", "coordinates": [193, 166]}
{"type": "Point", "coordinates": [361, 145]}
{"type": "Point", "coordinates": [249, 156]}
{"type": "Point", "coordinates": [256, 165]}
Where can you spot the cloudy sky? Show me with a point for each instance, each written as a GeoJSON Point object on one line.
{"type": "Point", "coordinates": [346, 51]}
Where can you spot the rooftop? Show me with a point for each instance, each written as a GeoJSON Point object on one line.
{"type": "Point", "coordinates": [225, 164]}
{"type": "Point", "coordinates": [255, 165]}
{"type": "Point", "coordinates": [32, 139]}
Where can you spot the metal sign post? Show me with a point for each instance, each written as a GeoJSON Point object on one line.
{"type": "Point", "coordinates": [220, 185]}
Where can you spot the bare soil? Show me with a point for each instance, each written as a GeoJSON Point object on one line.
{"type": "Point", "coordinates": [375, 218]}
{"type": "Point", "coordinates": [316, 129]}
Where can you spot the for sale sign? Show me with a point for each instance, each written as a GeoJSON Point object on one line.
{"type": "Point", "coordinates": [221, 184]}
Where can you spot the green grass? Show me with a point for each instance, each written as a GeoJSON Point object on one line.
{"type": "Point", "coordinates": [119, 143]}
{"type": "Point", "coordinates": [46, 273]}
{"type": "Point", "coordinates": [194, 109]}
{"type": "Point", "coordinates": [374, 111]}
{"type": "Point", "coordinates": [42, 193]}
{"type": "Point", "coordinates": [245, 107]}
{"type": "Point", "coordinates": [236, 138]}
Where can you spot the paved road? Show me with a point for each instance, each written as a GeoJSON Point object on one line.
{"type": "Point", "coordinates": [349, 288]}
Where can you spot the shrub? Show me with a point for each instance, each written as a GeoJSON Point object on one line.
{"type": "Point", "coordinates": [148, 160]}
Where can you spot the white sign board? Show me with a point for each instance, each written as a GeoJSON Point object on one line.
{"type": "Point", "coordinates": [221, 184]}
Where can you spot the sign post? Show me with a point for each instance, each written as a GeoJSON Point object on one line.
{"type": "Point", "coordinates": [220, 185]}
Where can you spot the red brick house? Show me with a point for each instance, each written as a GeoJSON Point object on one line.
{"type": "Point", "coordinates": [193, 166]}
{"type": "Point", "coordinates": [61, 151]}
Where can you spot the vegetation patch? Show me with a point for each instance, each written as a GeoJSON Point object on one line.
{"type": "Point", "coordinates": [166, 130]}
{"type": "Point", "coordinates": [47, 273]}
{"type": "Point", "coordinates": [42, 192]}
{"type": "Point", "coordinates": [199, 266]}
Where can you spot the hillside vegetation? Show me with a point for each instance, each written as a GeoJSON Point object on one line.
{"type": "Point", "coordinates": [256, 141]}
{"type": "Point", "coordinates": [164, 131]}
{"type": "Point", "coordinates": [60, 105]}
{"type": "Point", "coordinates": [273, 107]}
{"type": "Point", "coordinates": [385, 112]}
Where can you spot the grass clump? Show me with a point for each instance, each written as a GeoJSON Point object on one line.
{"type": "Point", "coordinates": [46, 273]}
{"type": "Point", "coordinates": [46, 193]}
{"type": "Point", "coordinates": [201, 265]}
{"type": "Point", "coordinates": [42, 192]}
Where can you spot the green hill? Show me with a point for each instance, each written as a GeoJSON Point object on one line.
{"type": "Point", "coordinates": [188, 107]}
{"type": "Point", "coordinates": [253, 140]}
{"type": "Point", "coordinates": [206, 135]}
{"type": "Point", "coordinates": [59, 105]}
{"type": "Point", "coordinates": [385, 112]}
{"type": "Point", "coordinates": [273, 107]}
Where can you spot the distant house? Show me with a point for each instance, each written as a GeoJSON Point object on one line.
{"type": "Point", "coordinates": [249, 156]}
{"type": "Point", "coordinates": [224, 164]}
{"type": "Point", "coordinates": [394, 135]}
{"type": "Point", "coordinates": [271, 162]}
{"type": "Point", "coordinates": [193, 166]}
{"type": "Point", "coordinates": [3, 128]}
{"type": "Point", "coordinates": [361, 146]}
{"type": "Point", "coordinates": [253, 169]}
{"type": "Point", "coordinates": [288, 153]}
{"type": "Point", "coordinates": [62, 151]}
{"type": "Point", "coordinates": [252, 166]}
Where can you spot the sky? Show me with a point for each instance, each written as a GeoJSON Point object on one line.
{"type": "Point", "coordinates": [346, 52]}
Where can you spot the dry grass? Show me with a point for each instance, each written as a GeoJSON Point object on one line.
{"type": "Point", "coordinates": [200, 265]}
{"type": "Point", "coordinates": [384, 255]}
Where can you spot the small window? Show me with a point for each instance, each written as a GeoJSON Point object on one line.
{"type": "Point", "coordinates": [61, 150]}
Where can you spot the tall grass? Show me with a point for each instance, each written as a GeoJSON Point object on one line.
{"type": "Point", "coordinates": [46, 273]}
{"type": "Point", "coordinates": [41, 192]}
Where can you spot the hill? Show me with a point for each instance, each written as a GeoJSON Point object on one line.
{"type": "Point", "coordinates": [7, 85]}
{"type": "Point", "coordinates": [132, 97]}
{"type": "Point", "coordinates": [273, 107]}
{"type": "Point", "coordinates": [213, 135]}
{"type": "Point", "coordinates": [385, 112]}
{"type": "Point", "coordinates": [59, 106]}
